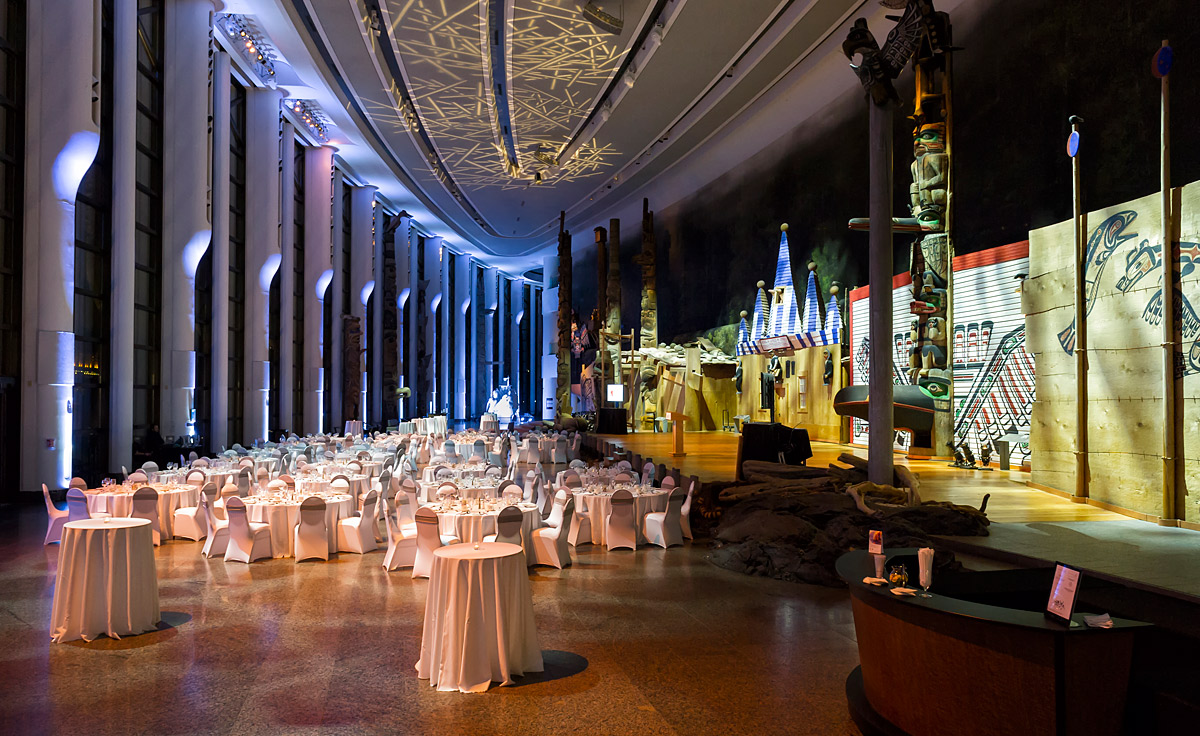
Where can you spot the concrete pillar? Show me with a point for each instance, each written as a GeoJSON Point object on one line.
{"type": "Point", "coordinates": [219, 431]}
{"type": "Point", "coordinates": [124, 231]}
{"type": "Point", "coordinates": [362, 249]}
{"type": "Point", "coordinates": [475, 391]}
{"type": "Point", "coordinates": [501, 329]}
{"type": "Point", "coordinates": [287, 277]}
{"type": "Point", "coordinates": [318, 272]}
{"type": "Point", "coordinates": [445, 375]}
{"type": "Point", "coordinates": [535, 354]}
{"type": "Point", "coordinates": [337, 362]}
{"type": "Point", "coordinates": [262, 251]}
{"type": "Point", "coordinates": [549, 339]}
{"type": "Point", "coordinates": [515, 291]}
{"type": "Point", "coordinates": [491, 376]}
{"type": "Point", "coordinates": [404, 302]}
{"type": "Point", "coordinates": [187, 231]}
{"type": "Point", "coordinates": [461, 301]}
{"type": "Point", "coordinates": [379, 220]}
{"type": "Point", "coordinates": [432, 285]}
{"type": "Point", "coordinates": [62, 61]}
{"type": "Point", "coordinates": [412, 325]}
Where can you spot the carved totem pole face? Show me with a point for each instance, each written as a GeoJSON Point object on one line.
{"type": "Point", "coordinates": [929, 138]}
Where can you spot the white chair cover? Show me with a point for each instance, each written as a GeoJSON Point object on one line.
{"type": "Point", "coordinates": [549, 545]}
{"type": "Point", "coordinates": [508, 526]}
{"type": "Point", "coordinates": [218, 529]}
{"type": "Point", "coordinates": [196, 477]}
{"type": "Point", "coordinates": [357, 533]}
{"type": "Point", "coordinates": [620, 528]}
{"type": "Point", "coordinates": [78, 482]}
{"type": "Point", "coordinates": [662, 527]}
{"type": "Point", "coordinates": [56, 516]}
{"type": "Point", "coordinates": [77, 508]}
{"type": "Point", "coordinates": [402, 549]}
{"type": "Point", "coordinates": [428, 539]}
{"type": "Point", "coordinates": [685, 521]}
{"type": "Point", "coordinates": [248, 541]}
{"type": "Point", "coordinates": [311, 538]}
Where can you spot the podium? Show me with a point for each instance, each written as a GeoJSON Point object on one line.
{"type": "Point", "coordinates": [677, 421]}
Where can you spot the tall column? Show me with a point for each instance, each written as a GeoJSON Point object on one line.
{"type": "Point", "coordinates": [535, 354]}
{"type": "Point", "coordinates": [500, 341]}
{"type": "Point", "coordinates": [412, 325]}
{"type": "Point", "coordinates": [476, 393]}
{"type": "Point", "coordinates": [219, 431]}
{"type": "Point", "coordinates": [379, 220]}
{"type": "Point", "coordinates": [336, 342]}
{"type": "Point", "coordinates": [187, 231]}
{"type": "Point", "coordinates": [432, 287]}
{"type": "Point", "coordinates": [62, 144]}
{"type": "Point", "coordinates": [404, 302]}
{"type": "Point", "coordinates": [362, 249]}
{"type": "Point", "coordinates": [515, 287]}
{"type": "Point", "coordinates": [124, 230]}
{"type": "Point", "coordinates": [262, 251]}
{"type": "Point", "coordinates": [491, 302]}
{"type": "Point", "coordinates": [461, 302]}
{"type": "Point", "coordinates": [880, 435]}
{"type": "Point", "coordinates": [549, 338]}
{"type": "Point", "coordinates": [612, 318]}
{"type": "Point", "coordinates": [445, 373]}
{"type": "Point", "coordinates": [287, 277]}
{"type": "Point", "coordinates": [318, 272]}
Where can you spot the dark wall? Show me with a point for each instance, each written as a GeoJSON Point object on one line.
{"type": "Point", "coordinates": [1026, 65]}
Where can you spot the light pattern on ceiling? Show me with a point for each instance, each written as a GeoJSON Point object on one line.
{"type": "Point", "coordinates": [556, 66]}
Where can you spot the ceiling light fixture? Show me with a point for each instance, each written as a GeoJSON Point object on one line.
{"type": "Point", "coordinates": [602, 20]}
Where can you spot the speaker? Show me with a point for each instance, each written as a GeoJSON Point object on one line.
{"type": "Point", "coordinates": [765, 440]}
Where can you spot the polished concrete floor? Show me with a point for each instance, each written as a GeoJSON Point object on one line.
{"type": "Point", "coordinates": [652, 642]}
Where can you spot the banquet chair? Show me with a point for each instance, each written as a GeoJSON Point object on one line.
{"type": "Point", "coordinates": [571, 479]}
{"type": "Point", "coordinates": [243, 481]}
{"type": "Point", "coordinates": [357, 533]}
{"type": "Point", "coordinates": [577, 465]}
{"type": "Point", "coordinates": [558, 451]}
{"type": "Point", "coordinates": [510, 492]}
{"type": "Point", "coordinates": [622, 478]}
{"type": "Point", "coordinates": [428, 540]}
{"type": "Point", "coordinates": [150, 466]}
{"type": "Point", "coordinates": [356, 466]}
{"type": "Point", "coordinates": [447, 490]}
{"type": "Point", "coordinates": [196, 477]}
{"type": "Point", "coordinates": [668, 482]}
{"type": "Point", "coordinates": [648, 473]}
{"type": "Point", "coordinates": [246, 463]}
{"type": "Point", "coordinates": [493, 473]}
{"type": "Point", "coordinates": [248, 540]}
{"type": "Point", "coordinates": [685, 521]}
{"type": "Point", "coordinates": [145, 506]}
{"type": "Point", "coordinates": [124, 473]}
{"type": "Point", "coordinates": [228, 491]}
{"type": "Point", "coordinates": [363, 455]}
{"type": "Point", "coordinates": [193, 456]}
{"type": "Point", "coordinates": [301, 463]}
{"type": "Point", "coordinates": [573, 448]}
{"type": "Point", "coordinates": [449, 449]}
{"type": "Point", "coordinates": [620, 528]}
{"type": "Point", "coordinates": [555, 518]}
{"type": "Point", "coordinates": [261, 476]}
{"type": "Point", "coordinates": [581, 528]}
{"type": "Point", "coordinates": [443, 473]}
{"type": "Point", "coordinates": [662, 527]}
{"type": "Point", "coordinates": [341, 484]}
{"type": "Point", "coordinates": [57, 517]}
{"type": "Point", "coordinates": [329, 455]}
{"type": "Point", "coordinates": [79, 483]}
{"type": "Point", "coordinates": [402, 511]}
{"type": "Point", "coordinates": [311, 537]}
{"type": "Point", "coordinates": [77, 507]}
{"type": "Point", "coordinates": [401, 546]}
{"type": "Point", "coordinates": [479, 451]}
{"type": "Point", "coordinates": [624, 465]}
{"type": "Point", "coordinates": [199, 462]}
{"type": "Point", "coordinates": [288, 480]}
{"type": "Point", "coordinates": [218, 529]}
{"type": "Point", "coordinates": [189, 522]}
{"type": "Point", "coordinates": [276, 486]}
{"type": "Point", "coordinates": [548, 545]}
{"type": "Point", "coordinates": [508, 526]}
{"type": "Point", "coordinates": [209, 489]}
{"type": "Point", "coordinates": [137, 476]}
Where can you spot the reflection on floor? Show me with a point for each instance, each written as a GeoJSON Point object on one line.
{"type": "Point", "coordinates": [652, 642]}
{"type": "Point", "coordinates": [712, 456]}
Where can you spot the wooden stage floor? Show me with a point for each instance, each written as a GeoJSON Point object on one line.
{"type": "Point", "coordinates": [712, 456]}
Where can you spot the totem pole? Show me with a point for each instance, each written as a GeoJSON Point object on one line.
{"type": "Point", "coordinates": [612, 319]}
{"type": "Point", "coordinates": [601, 307]}
{"type": "Point", "coordinates": [352, 353]}
{"type": "Point", "coordinates": [562, 397]}
{"type": "Point", "coordinates": [647, 260]}
{"type": "Point", "coordinates": [920, 26]}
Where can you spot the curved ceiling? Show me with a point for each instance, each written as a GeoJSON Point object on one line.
{"type": "Point", "coordinates": [500, 114]}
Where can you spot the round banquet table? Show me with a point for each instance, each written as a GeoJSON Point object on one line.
{"type": "Point", "coordinates": [473, 527]}
{"type": "Point", "coordinates": [489, 491]}
{"type": "Point", "coordinates": [282, 517]}
{"type": "Point", "coordinates": [476, 470]}
{"type": "Point", "coordinates": [489, 424]}
{"type": "Point", "coordinates": [599, 505]}
{"type": "Point", "coordinates": [106, 583]}
{"type": "Point", "coordinates": [120, 503]}
{"type": "Point", "coordinates": [479, 625]}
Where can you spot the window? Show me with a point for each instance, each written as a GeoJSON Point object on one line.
{"type": "Point", "coordinates": [237, 262]}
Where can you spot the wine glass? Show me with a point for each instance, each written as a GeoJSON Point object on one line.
{"type": "Point", "coordinates": [926, 582]}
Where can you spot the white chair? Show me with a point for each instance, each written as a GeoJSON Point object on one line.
{"type": "Point", "coordinates": [549, 545]}
{"type": "Point", "coordinates": [668, 483]}
{"type": "Point", "coordinates": [57, 516]}
{"type": "Point", "coordinates": [508, 526]}
{"type": "Point", "coordinates": [77, 507]}
{"type": "Point", "coordinates": [662, 527]}
{"type": "Point", "coordinates": [357, 533]}
{"type": "Point", "coordinates": [247, 541]}
{"type": "Point", "coordinates": [685, 521]}
{"type": "Point", "coordinates": [356, 466]}
{"type": "Point", "coordinates": [196, 477]}
{"type": "Point", "coordinates": [261, 476]}
{"type": "Point", "coordinates": [311, 537]}
{"type": "Point", "coordinates": [189, 523]}
{"type": "Point", "coordinates": [218, 529]}
{"type": "Point", "coordinates": [199, 462]}
{"type": "Point", "coordinates": [245, 463]}
{"type": "Point", "coordinates": [573, 448]}
{"type": "Point", "coordinates": [79, 483]}
{"type": "Point", "coordinates": [622, 478]}
{"type": "Point", "coordinates": [555, 518]}
{"type": "Point", "coordinates": [243, 481]}
{"type": "Point", "coordinates": [577, 465]}
{"type": "Point", "coordinates": [404, 513]}
{"type": "Point", "coordinates": [493, 473]}
{"type": "Point", "coordinates": [571, 479]}
{"type": "Point", "coordinates": [229, 491]}
{"type": "Point", "coordinates": [446, 491]}
{"type": "Point", "coordinates": [620, 528]}
{"type": "Point", "coordinates": [479, 451]}
{"type": "Point", "coordinates": [137, 476]}
{"type": "Point", "coordinates": [558, 451]}
{"type": "Point", "coordinates": [150, 466]}
{"type": "Point", "coordinates": [428, 540]}
{"type": "Point", "coordinates": [581, 528]}
{"type": "Point", "coordinates": [449, 449]}
{"type": "Point", "coordinates": [341, 484]}
{"type": "Point", "coordinates": [624, 465]}
{"type": "Point", "coordinates": [288, 481]}
{"type": "Point", "coordinates": [648, 473]}
{"type": "Point", "coordinates": [277, 486]}
{"type": "Point", "coordinates": [402, 548]}
{"type": "Point", "coordinates": [510, 492]}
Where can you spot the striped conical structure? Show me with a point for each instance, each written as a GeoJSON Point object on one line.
{"type": "Point", "coordinates": [833, 320]}
{"type": "Point", "coordinates": [812, 305]}
{"type": "Point", "coordinates": [744, 345]}
{"type": "Point", "coordinates": [785, 316]}
{"type": "Point", "coordinates": [762, 315]}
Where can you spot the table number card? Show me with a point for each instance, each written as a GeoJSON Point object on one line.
{"type": "Point", "coordinates": [875, 542]}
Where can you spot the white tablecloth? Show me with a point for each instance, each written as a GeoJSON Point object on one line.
{"type": "Point", "coordinates": [431, 488]}
{"type": "Point", "coordinates": [283, 517]}
{"type": "Point", "coordinates": [106, 580]}
{"type": "Point", "coordinates": [598, 507]}
{"type": "Point", "coordinates": [472, 527]}
{"type": "Point", "coordinates": [119, 503]}
{"type": "Point", "coordinates": [479, 625]}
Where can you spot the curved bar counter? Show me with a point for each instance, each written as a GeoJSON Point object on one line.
{"type": "Point", "coordinates": [948, 666]}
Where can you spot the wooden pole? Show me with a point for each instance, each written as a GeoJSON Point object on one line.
{"type": "Point", "coordinates": [1080, 353]}
{"type": "Point", "coordinates": [880, 437]}
{"type": "Point", "coordinates": [1171, 340]}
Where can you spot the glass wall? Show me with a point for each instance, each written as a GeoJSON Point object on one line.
{"type": "Point", "coordinates": [12, 160]}
{"type": "Point", "coordinates": [93, 253]}
{"type": "Point", "coordinates": [147, 294]}
{"type": "Point", "coordinates": [237, 261]}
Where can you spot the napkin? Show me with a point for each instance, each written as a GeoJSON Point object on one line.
{"type": "Point", "coordinates": [904, 591]}
{"type": "Point", "coordinates": [1100, 621]}
{"type": "Point", "coordinates": [875, 581]}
